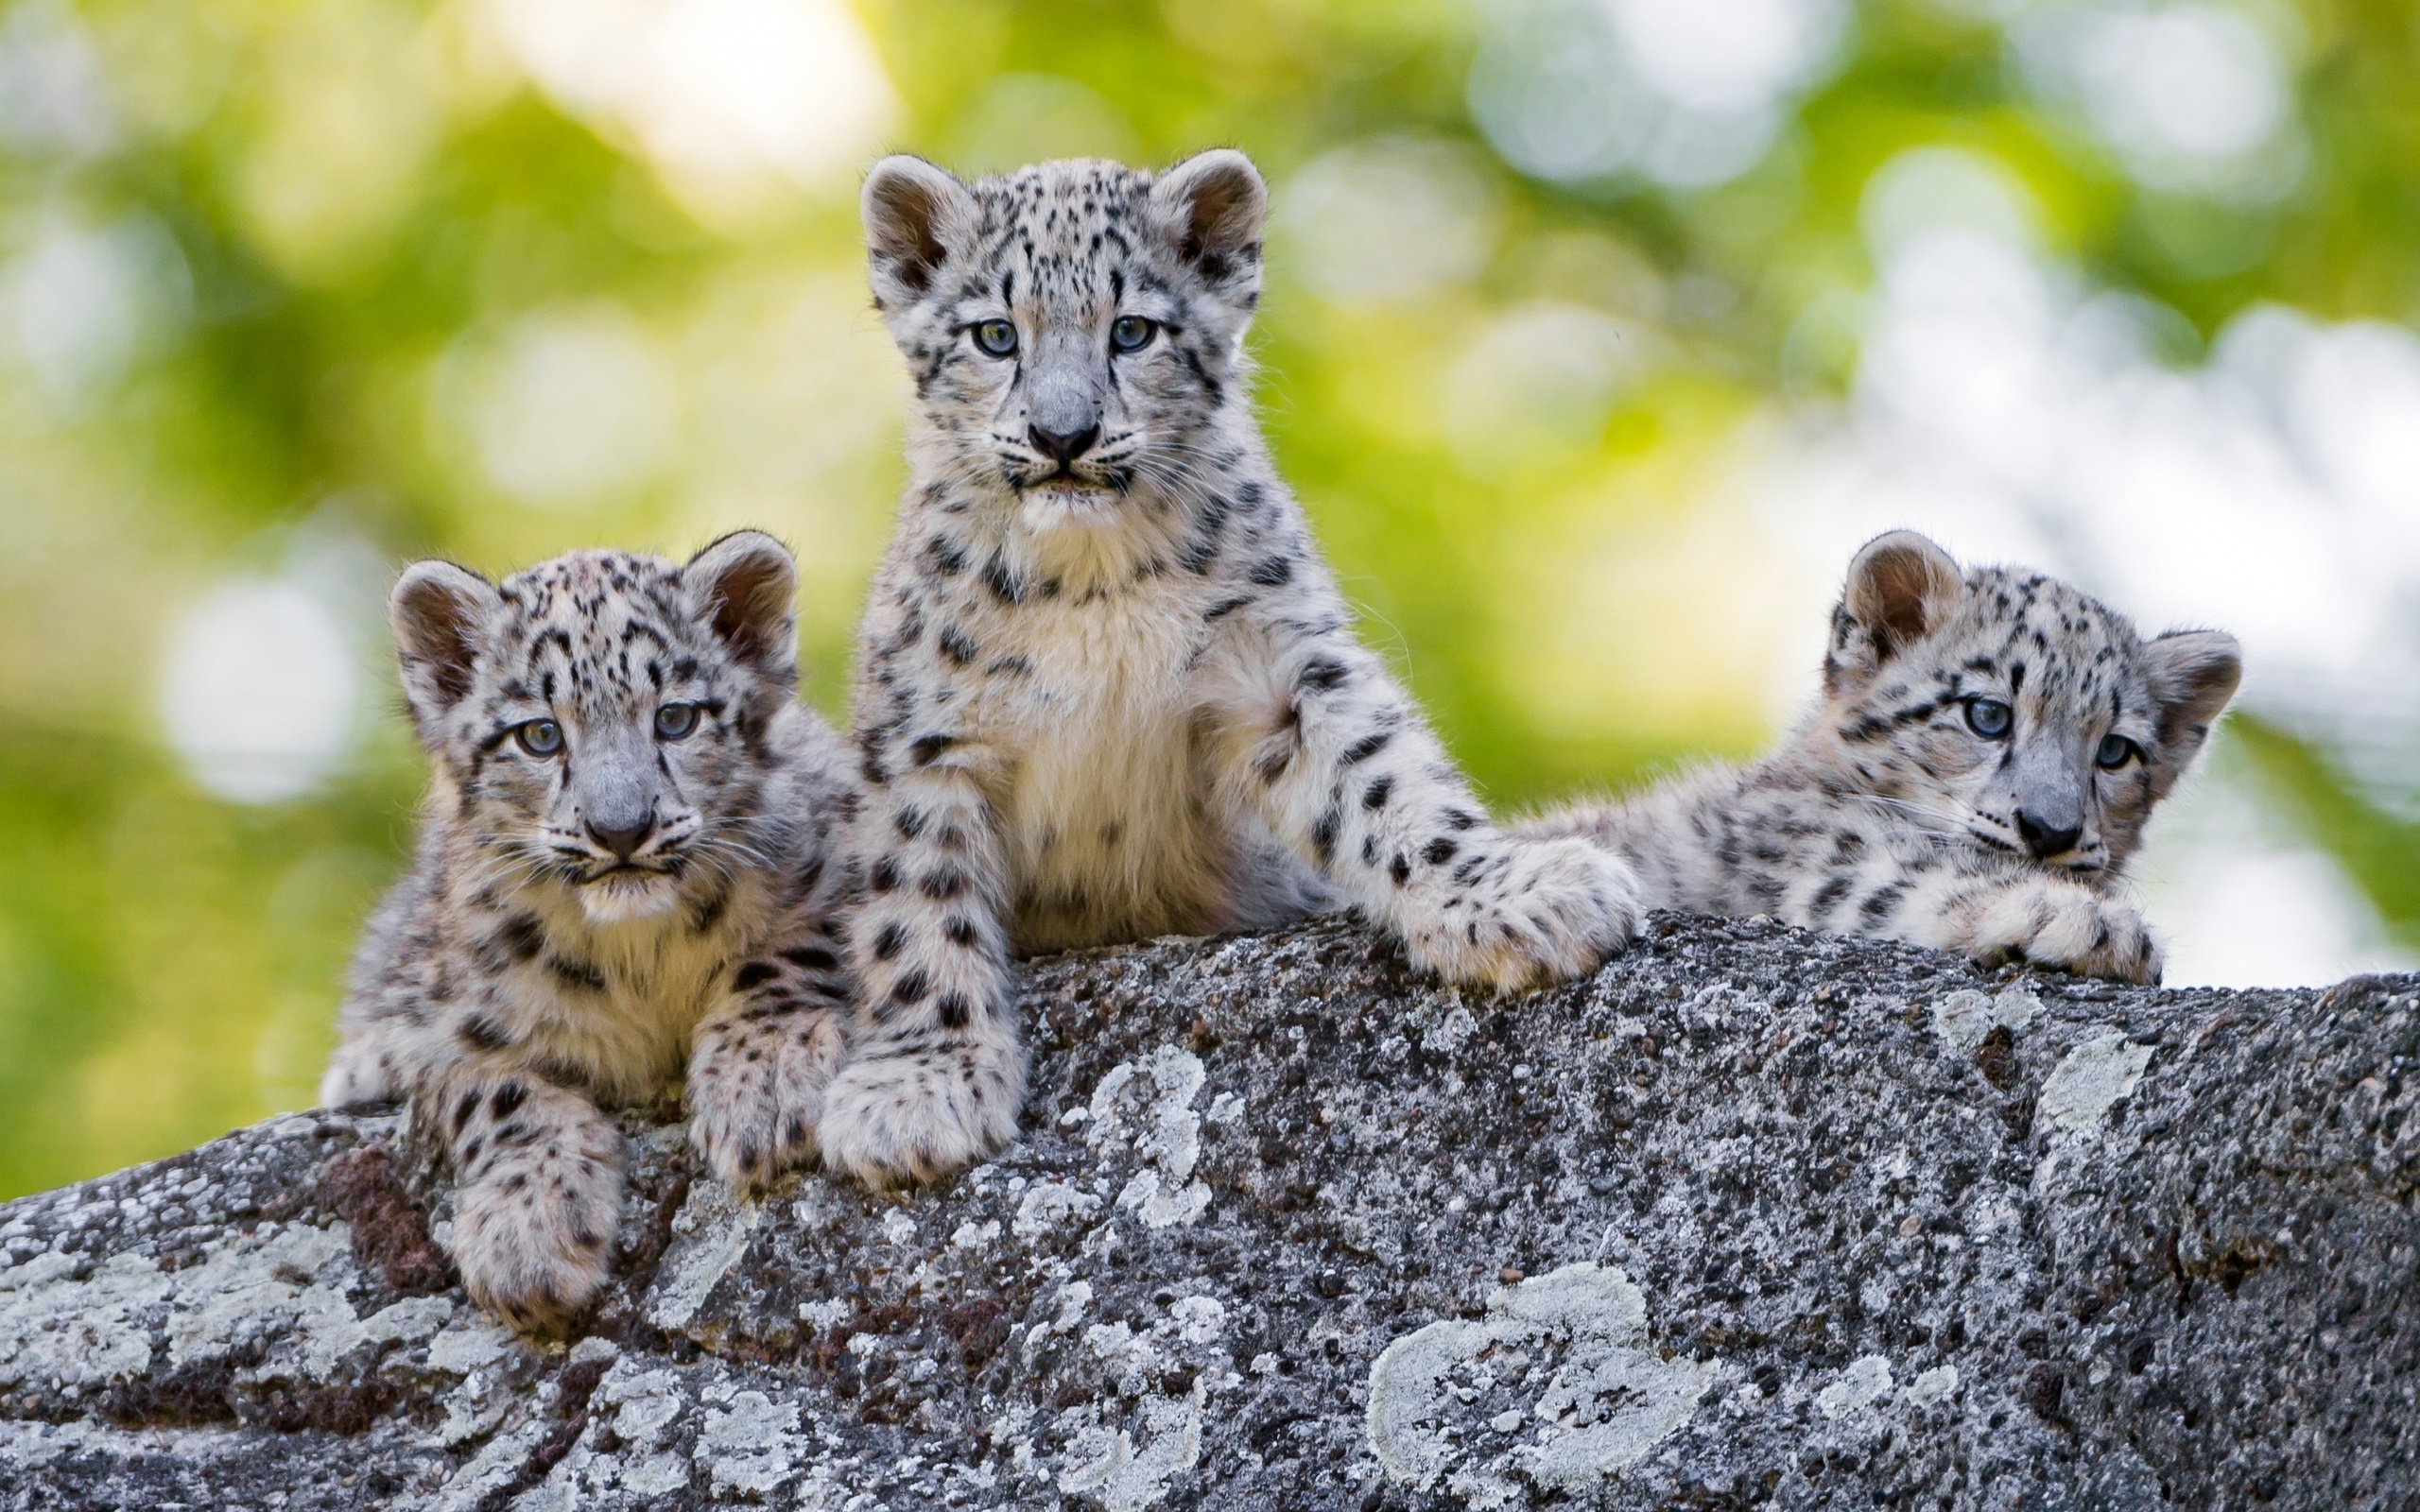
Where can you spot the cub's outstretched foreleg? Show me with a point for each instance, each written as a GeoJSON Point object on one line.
{"type": "Point", "coordinates": [937, 1075]}
{"type": "Point", "coordinates": [1323, 741]}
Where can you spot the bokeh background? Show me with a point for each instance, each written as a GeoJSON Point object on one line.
{"type": "Point", "coordinates": [1597, 333]}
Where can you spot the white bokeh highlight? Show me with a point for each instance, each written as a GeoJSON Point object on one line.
{"type": "Point", "coordinates": [1725, 57]}
{"type": "Point", "coordinates": [2193, 97]}
{"type": "Point", "coordinates": [259, 691]}
{"type": "Point", "coordinates": [2242, 900]}
{"type": "Point", "coordinates": [570, 405]}
{"type": "Point", "coordinates": [1537, 381]}
{"type": "Point", "coordinates": [726, 97]}
{"type": "Point", "coordinates": [53, 92]}
{"type": "Point", "coordinates": [1687, 96]}
{"type": "Point", "coordinates": [1387, 218]}
{"type": "Point", "coordinates": [79, 302]}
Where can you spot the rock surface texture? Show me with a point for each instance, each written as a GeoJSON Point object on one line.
{"type": "Point", "coordinates": [1753, 1217]}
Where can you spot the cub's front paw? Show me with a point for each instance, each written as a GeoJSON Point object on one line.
{"type": "Point", "coordinates": [756, 1092]}
{"type": "Point", "coordinates": [534, 1244]}
{"type": "Point", "coordinates": [1535, 912]}
{"type": "Point", "coordinates": [2059, 924]}
{"type": "Point", "coordinates": [922, 1105]}
{"type": "Point", "coordinates": [357, 1072]}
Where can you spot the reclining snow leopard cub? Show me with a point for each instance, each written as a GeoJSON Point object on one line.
{"type": "Point", "coordinates": [1107, 689]}
{"type": "Point", "coordinates": [1986, 751]}
{"type": "Point", "coordinates": [626, 868]}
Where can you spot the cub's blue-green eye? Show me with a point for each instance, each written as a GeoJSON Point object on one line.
{"type": "Point", "coordinates": [2115, 751]}
{"type": "Point", "coordinates": [1989, 717]}
{"type": "Point", "coordinates": [541, 737]}
{"type": "Point", "coordinates": [1132, 332]}
{"type": "Point", "coordinates": [675, 720]}
{"type": "Point", "coordinates": [997, 337]}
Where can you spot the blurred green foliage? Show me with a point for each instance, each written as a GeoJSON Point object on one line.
{"type": "Point", "coordinates": [2378, 848]}
{"type": "Point", "coordinates": [367, 200]}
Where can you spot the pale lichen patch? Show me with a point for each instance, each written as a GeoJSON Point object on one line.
{"type": "Point", "coordinates": [1127, 1468]}
{"type": "Point", "coordinates": [470, 1342]}
{"type": "Point", "coordinates": [270, 1283]}
{"type": "Point", "coordinates": [715, 1229]}
{"type": "Point", "coordinates": [647, 1402]}
{"type": "Point", "coordinates": [1866, 1381]}
{"type": "Point", "coordinates": [1609, 1401]}
{"type": "Point", "coordinates": [747, 1448]}
{"type": "Point", "coordinates": [1161, 1126]}
{"type": "Point", "coordinates": [336, 1334]}
{"type": "Point", "coordinates": [1964, 1018]}
{"type": "Point", "coordinates": [1450, 1033]}
{"type": "Point", "coordinates": [59, 1331]}
{"type": "Point", "coordinates": [56, 1330]}
{"type": "Point", "coordinates": [2089, 1080]}
{"type": "Point", "coordinates": [493, 1467]}
{"type": "Point", "coordinates": [1199, 1319]}
{"type": "Point", "coordinates": [1049, 1207]}
{"type": "Point", "coordinates": [1931, 1387]}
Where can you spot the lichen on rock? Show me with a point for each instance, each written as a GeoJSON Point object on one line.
{"type": "Point", "coordinates": [1570, 1348]}
{"type": "Point", "coordinates": [1754, 1216]}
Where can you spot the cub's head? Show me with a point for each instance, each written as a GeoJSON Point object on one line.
{"type": "Point", "coordinates": [598, 720]}
{"type": "Point", "coordinates": [2010, 709]}
{"type": "Point", "coordinates": [1073, 328]}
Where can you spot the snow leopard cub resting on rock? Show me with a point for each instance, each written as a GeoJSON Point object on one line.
{"type": "Point", "coordinates": [626, 865]}
{"type": "Point", "coordinates": [1107, 689]}
{"type": "Point", "coordinates": [1987, 748]}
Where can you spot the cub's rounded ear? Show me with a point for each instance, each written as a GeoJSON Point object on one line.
{"type": "Point", "coordinates": [2193, 675]}
{"type": "Point", "coordinates": [915, 212]}
{"type": "Point", "coordinates": [1902, 588]}
{"type": "Point", "coordinates": [439, 612]}
{"type": "Point", "coordinates": [1213, 206]}
{"type": "Point", "coordinates": [744, 585]}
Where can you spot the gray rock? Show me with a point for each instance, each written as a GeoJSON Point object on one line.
{"type": "Point", "coordinates": [1753, 1217]}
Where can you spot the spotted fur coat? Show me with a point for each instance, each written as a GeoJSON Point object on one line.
{"type": "Point", "coordinates": [1107, 688]}
{"type": "Point", "coordinates": [1986, 752]}
{"type": "Point", "coordinates": [627, 873]}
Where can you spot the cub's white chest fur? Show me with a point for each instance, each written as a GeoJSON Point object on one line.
{"type": "Point", "coordinates": [1105, 814]}
{"type": "Point", "coordinates": [620, 1001]}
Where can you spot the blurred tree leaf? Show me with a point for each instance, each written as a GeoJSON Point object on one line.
{"type": "Point", "coordinates": [2380, 851]}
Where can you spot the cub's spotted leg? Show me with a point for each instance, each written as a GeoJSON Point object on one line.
{"type": "Point", "coordinates": [2044, 919]}
{"type": "Point", "coordinates": [935, 1074]}
{"type": "Point", "coordinates": [762, 1058]}
{"type": "Point", "coordinates": [1327, 747]}
{"type": "Point", "coordinates": [541, 1189]}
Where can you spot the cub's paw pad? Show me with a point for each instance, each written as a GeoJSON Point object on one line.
{"type": "Point", "coordinates": [1536, 912]}
{"type": "Point", "coordinates": [533, 1254]}
{"type": "Point", "coordinates": [914, 1112]}
{"type": "Point", "coordinates": [756, 1095]}
{"type": "Point", "coordinates": [2064, 927]}
{"type": "Point", "coordinates": [2118, 944]}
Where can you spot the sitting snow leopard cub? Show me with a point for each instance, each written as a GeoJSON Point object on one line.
{"type": "Point", "coordinates": [1107, 689]}
{"type": "Point", "coordinates": [622, 871]}
{"type": "Point", "coordinates": [1988, 747]}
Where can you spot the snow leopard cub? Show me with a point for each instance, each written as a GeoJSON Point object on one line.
{"type": "Point", "coordinates": [1107, 689]}
{"type": "Point", "coordinates": [1987, 749]}
{"type": "Point", "coordinates": [626, 866]}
